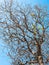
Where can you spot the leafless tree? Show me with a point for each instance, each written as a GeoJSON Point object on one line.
{"type": "Point", "coordinates": [25, 31]}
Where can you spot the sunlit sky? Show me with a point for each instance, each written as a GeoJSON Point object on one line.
{"type": "Point", "coordinates": [4, 60]}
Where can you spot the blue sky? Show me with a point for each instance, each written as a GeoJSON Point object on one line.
{"type": "Point", "coordinates": [4, 60]}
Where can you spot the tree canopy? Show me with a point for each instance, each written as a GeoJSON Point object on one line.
{"type": "Point", "coordinates": [26, 33]}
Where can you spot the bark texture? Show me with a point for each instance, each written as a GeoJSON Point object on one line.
{"type": "Point", "coordinates": [39, 55]}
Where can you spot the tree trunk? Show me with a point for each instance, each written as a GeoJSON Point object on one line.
{"type": "Point", "coordinates": [39, 55]}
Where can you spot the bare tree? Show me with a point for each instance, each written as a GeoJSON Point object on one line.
{"type": "Point", "coordinates": [25, 31]}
